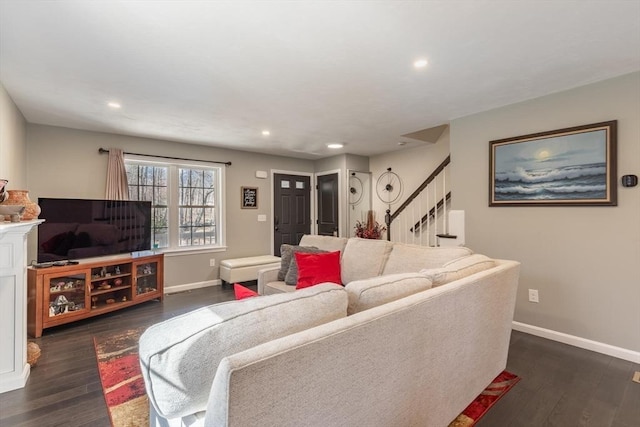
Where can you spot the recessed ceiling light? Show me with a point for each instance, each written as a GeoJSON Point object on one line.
{"type": "Point", "coordinates": [266, 133]}
{"type": "Point", "coordinates": [335, 146]}
{"type": "Point", "coordinates": [420, 63]}
{"type": "Point", "coordinates": [114, 105]}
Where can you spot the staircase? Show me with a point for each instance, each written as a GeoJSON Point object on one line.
{"type": "Point", "coordinates": [425, 217]}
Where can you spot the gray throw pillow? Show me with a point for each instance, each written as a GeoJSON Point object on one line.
{"type": "Point", "coordinates": [291, 278]}
{"type": "Point", "coordinates": [286, 254]}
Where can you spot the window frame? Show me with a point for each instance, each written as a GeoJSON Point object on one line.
{"type": "Point", "coordinates": [173, 199]}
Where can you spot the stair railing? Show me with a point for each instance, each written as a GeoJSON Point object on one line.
{"type": "Point", "coordinates": [408, 224]}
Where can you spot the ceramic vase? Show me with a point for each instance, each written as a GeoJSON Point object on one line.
{"type": "Point", "coordinates": [21, 198]}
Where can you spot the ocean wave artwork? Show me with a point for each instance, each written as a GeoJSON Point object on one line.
{"type": "Point", "coordinates": [575, 182]}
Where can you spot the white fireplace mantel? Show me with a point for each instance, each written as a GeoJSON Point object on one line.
{"type": "Point", "coordinates": [14, 369]}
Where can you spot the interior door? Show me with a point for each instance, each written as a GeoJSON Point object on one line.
{"type": "Point", "coordinates": [328, 204]}
{"type": "Point", "coordinates": [291, 209]}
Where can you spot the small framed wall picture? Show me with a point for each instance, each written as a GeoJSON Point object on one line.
{"type": "Point", "coordinates": [249, 198]}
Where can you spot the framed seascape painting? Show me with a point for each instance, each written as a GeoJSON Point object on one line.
{"type": "Point", "coordinates": [565, 167]}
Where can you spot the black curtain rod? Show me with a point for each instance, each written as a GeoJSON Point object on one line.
{"type": "Point", "coordinates": [105, 151]}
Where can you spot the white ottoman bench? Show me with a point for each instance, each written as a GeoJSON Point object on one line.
{"type": "Point", "coordinates": [245, 269]}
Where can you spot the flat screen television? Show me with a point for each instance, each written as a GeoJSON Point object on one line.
{"type": "Point", "coordinates": [82, 228]}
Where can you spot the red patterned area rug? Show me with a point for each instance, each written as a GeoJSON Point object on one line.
{"type": "Point", "coordinates": [124, 392]}
{"type": "Point", "coordinates": [481, 405]}
{"type": "Point", "coordinates": [122, 383]}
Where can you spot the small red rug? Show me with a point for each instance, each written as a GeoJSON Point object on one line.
{"type": "Point", "coordinates": [121, 377]}
{"type": "Point", "coordinates": [481, 405]}
{"type": "Point", "coordinates": [128, 405]}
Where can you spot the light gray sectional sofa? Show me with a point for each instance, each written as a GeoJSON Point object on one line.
{"type": "Point", "coordinates": [414, 336]}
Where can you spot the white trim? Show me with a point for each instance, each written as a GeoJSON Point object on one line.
{"type": "Point", "coordinates": [191, 250]}
{"type": "Point", "coordinates": [16, 379]}
{"type": "Point", "coordinates": [610, 350]}
{"type": "Point", "coordinates": [190, 286]}
{"type": "Point", "coordinates": [312, 206]}
{"type": "Point", "coordinates": [13, 329]}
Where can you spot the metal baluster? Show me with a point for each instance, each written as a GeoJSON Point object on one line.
{"type": "Point", "coordinates": [444, 203]}
{"type": "Point", "coordinates": [419, 198]}
{"type": "Point", "coordinates": [413, 222]}
{"type": "Point", "coordinates": [435, 211]}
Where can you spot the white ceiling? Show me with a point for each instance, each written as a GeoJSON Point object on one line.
{"type": "Point", "coordinates": [312, 72]}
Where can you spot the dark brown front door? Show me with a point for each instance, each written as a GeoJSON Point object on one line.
{"type": "Point", "coordinates": [291, 209]}
{"type": "Point", "coordinates": [328, 205]}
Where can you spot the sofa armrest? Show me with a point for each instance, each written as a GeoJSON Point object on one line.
{"type": "Point", "coordinates": [267, 275]}
{"type": "Point", "coordinates": [179, 356]}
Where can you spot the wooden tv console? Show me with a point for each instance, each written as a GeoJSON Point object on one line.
{"type": "Point", "coordinates": [64, 294]}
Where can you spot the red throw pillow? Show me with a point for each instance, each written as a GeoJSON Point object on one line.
{"type": "Point", "coordinates": [241, 292]}
{"type": "Point", "coordinates": [318, 268]}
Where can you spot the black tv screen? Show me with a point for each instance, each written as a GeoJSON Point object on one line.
{"type": "Point", "coordinates": [82, 228]}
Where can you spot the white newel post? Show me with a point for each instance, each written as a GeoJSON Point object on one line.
{"type": "Point", "coordinates": [14, 369]}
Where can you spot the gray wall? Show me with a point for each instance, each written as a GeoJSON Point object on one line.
{"type": "Point", "coordinates": [413, 164]}
{"type": "Point", "coordinates": [331, 163]}
{"type": "Point", "coordinates": [583, 260]}
{"type": "Point", "coordinates": [12, 143]}
{"type": "Point", "coordinates": [357, 163]}
{"type": "Point", "coordinates": [65, 163]}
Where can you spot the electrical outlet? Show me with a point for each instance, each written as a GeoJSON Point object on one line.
{"type": "Point", "coordinates": [212, 262]}
{"type": "Point", "coordinates": [533, 295]}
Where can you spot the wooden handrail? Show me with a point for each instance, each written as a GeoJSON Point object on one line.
{"type": "Point", "coordinates": [389, 217]}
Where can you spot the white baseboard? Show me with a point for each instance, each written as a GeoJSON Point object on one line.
{"type": "Point", "coordinates": [610, 350]}
{"type": "Point", "coordinates": [190, 286]}
{"type": "Point", "coordinates": [14, 380]}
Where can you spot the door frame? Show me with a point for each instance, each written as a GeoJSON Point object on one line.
{"type": "Point", "coordinates": [341, 196]}
{"type": "Point", "coordinates": [312, 196]}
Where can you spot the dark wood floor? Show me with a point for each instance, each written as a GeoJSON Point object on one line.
{"type": "Point", "coordinates": [560, 386]}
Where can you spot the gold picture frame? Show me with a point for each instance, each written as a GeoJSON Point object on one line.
{"type": "Point", "coordinates": [566, 167]}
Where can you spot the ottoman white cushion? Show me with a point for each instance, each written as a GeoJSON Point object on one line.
{"type": "Point", "coordinates": [243, 269]}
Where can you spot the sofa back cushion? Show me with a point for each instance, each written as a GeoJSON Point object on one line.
{"type": "Point", "coordinates": [368, 293]}
{"type": "Point", "coordinates": [179, 356]}
{"type": "Point", "coordinates": [326, 243]}
{"type": "Point", "coordinates": [413, 258]}
{"type": "Point", "coordinates": [458, 268]}
{"type": "Point", "coordinates": [364, 258]}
